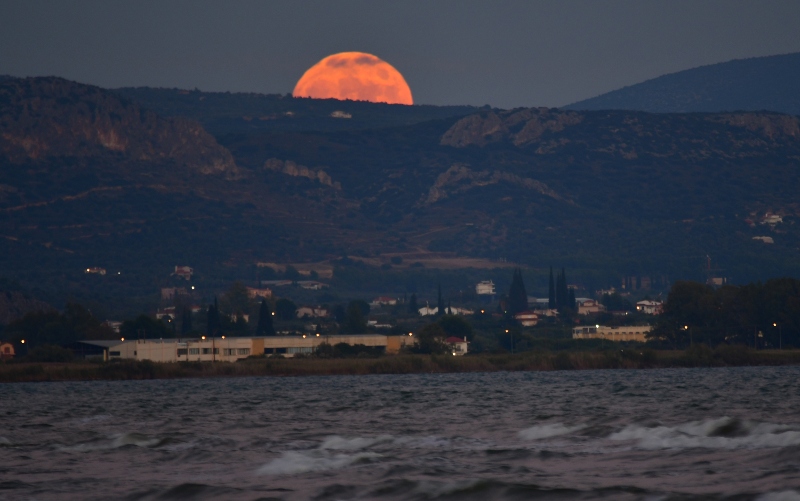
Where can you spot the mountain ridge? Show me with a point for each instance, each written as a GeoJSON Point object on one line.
{"type": "Point", "coordinates": [768, 83]}
{"type": "Point", "coordinates": [605, 193]}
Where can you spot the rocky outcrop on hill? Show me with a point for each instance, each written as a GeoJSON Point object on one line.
{"type": "Point", "coordinates": [51, 117]}
{"type": "Point", "coordinates": [460, 178]}
{"type": "Point", "coordinates": [521, 127]}
{"type": "Point", "coordinates": [292, 169]}
{"type": "Point", "coordinates": [631, 135]}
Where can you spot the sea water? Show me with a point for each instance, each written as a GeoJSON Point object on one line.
{"type": "Point", "coordinates": [730, 433]}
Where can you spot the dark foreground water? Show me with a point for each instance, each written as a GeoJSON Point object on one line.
{"type": "Point", "coordinates": [656, 434]}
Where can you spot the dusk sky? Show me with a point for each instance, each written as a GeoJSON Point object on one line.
{"type": "Point", "coordinates": [502, 53]}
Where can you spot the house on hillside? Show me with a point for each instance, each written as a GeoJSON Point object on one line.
{"type": "Point", "coordinates": [311, 285]}
{"type": "Point", "coordinates": [588, 306]}
{"type": "Point", "coordinates": [453, 310]}
{"type": "Point", "coordinates": [276, 283]}
{"type": "Point", "coordinates": [485, 288]}
{"type": "Point", "coordinates": [458, 346]}
{"type": "Point", "coordinates": [184, 272]}
{"type": "Point", "coordinates": [384, 301]}
{"type": "Point", "coordinates": [527, 318]}
{"type": "Point", "coordinates": [166, 313]}
{"type": "Point", "coordinates": [312, 312]}
{"type": "Point", "coordinates": [649, 307]}
{"type": "Point", "coordinates": [427, 310]}
{"type": "Point", "coordinates": [254, 292]}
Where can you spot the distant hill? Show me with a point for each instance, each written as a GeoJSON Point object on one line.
{"type": "Point", "coordinates": [769, 83]}
{"type": "Point", "coordinates": [47, 117]}
{"type": "Point", "coordinates": [228, 113]}
{"type": "Point", "coordinates": [89, 178]}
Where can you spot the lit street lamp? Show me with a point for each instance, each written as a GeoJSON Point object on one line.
{"type": "Point", "coordinates": [780, 334]}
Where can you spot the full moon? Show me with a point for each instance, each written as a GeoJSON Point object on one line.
{"type": "Point", "coordinates": [354, 75]}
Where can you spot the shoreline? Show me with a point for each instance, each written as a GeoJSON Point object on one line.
{"type": "Point", "coordinates": [126, 370]}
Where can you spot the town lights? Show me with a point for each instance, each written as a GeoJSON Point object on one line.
{"type": "Point", "coordinates": [304, 336]}
{"type": "Point", "coordinates": [317, 334]}
{"type": "Point", "coordinates": [203, 338]}
{"type": "Point", "coordinates": [410, 334]}
{"type": "Point", "coordinates": [223, 337]}
{"type": "Point", "coordinates": [23, 341]}
{"type": "Point", "coordinates": [122, 339]}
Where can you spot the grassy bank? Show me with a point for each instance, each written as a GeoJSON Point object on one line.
{"type": "Point", "coordinates": [698, 356]}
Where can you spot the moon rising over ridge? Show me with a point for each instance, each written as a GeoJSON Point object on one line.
{"type": "Point", "coordinates": [354, 75]}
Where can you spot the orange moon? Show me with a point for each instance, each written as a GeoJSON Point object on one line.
{"type": "Point", "coordinates": [354, 75]}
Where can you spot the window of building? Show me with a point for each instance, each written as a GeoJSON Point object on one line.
{"type": "Point", "coordinates": [181, 352]}
{"type": "Point", "coordinates": [216, 351]}
{"type": "Point", "coordinates": [243, 351]}
{"type": "Point", "coordinates": [194, 351]}
{"type": "Point", "coordinates": [206, 351]}
{"type": "Point", "coordinates": [229, 351]}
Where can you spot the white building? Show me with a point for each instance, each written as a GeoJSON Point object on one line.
{"type": "Point", "coordinates": [650, 307]}
{"type": "Point", "coordinates": [626, 333]}
{"type": "Point", "coordinates": [588, 306]}
{"type": "Point", "coordinates": [231, 349]}
{"type": "Point", "coordinates": [427, 310]}
{"type": "Point", "coordinates": [527, 318]}
{"type": "Point", "coordinates": [458, 346]}
{"type": "Point", "coordinates": [485, 288]}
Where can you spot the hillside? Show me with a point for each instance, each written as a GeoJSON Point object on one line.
{"type": "Point", "coordinates": [227, 113]}
{"type": "Point", "coordinates": [769, 83]}
{"type": "Point", "coordinates": [604, 193]}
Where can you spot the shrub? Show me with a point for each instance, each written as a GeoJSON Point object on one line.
{"type": "Point", "coordinates": [50, 353]}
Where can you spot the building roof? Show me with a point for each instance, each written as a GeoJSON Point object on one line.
{"type": "Point", "coordinates": [105, 343]}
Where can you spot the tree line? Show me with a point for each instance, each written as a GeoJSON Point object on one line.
{"type": "Point", "coordinates": [759, 315]}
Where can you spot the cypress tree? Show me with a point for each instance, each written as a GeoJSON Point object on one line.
{"type": "Point", "coordinates": [449, 310]}
{"type": "Point", "coordinates": [561, 290]}
{"type": "Point", "coordinates": [413, 307]}
{"type": "Point", "coordinates": [551, 303]}
{"type": "Point", "coordinates": [571, 303]}
{"type": "Point", "coordinates": [440, 303]}
{"type": "Point", "coordinates": [517, 295]}
{"type": "Point", "coordinates": [265, 327]}
{"type": "Point", "coordinates": [186, 320]}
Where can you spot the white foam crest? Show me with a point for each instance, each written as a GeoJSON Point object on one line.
{"type": "Point", "coordinates": [541, 431]}
{"type": "Point", "coordinates": [431, 489]}
{"type": "Point", "coordinates": [294, 462]}
{"type": "Point", "coordinates": [337, 443]}
{"type": "Point", "coordinates": [780, 496]}
{"type": "Point", "coordinates": [122, 440]}
{"type": "Point", "coordinates": [709, 435]}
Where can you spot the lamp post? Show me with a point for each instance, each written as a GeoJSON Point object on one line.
{"type": "Point", "coordinates": [510, 339]}
{"type": "Point", "coordinates": [780, 334]}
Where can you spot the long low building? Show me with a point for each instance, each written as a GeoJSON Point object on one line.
{"type": "Point", "coordinates": [230, 349]}
{"type": "Point", "coordinates": [625, 333]}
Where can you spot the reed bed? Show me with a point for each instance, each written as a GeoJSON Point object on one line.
{"type": "Point", "coordinates": [697, 356]}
